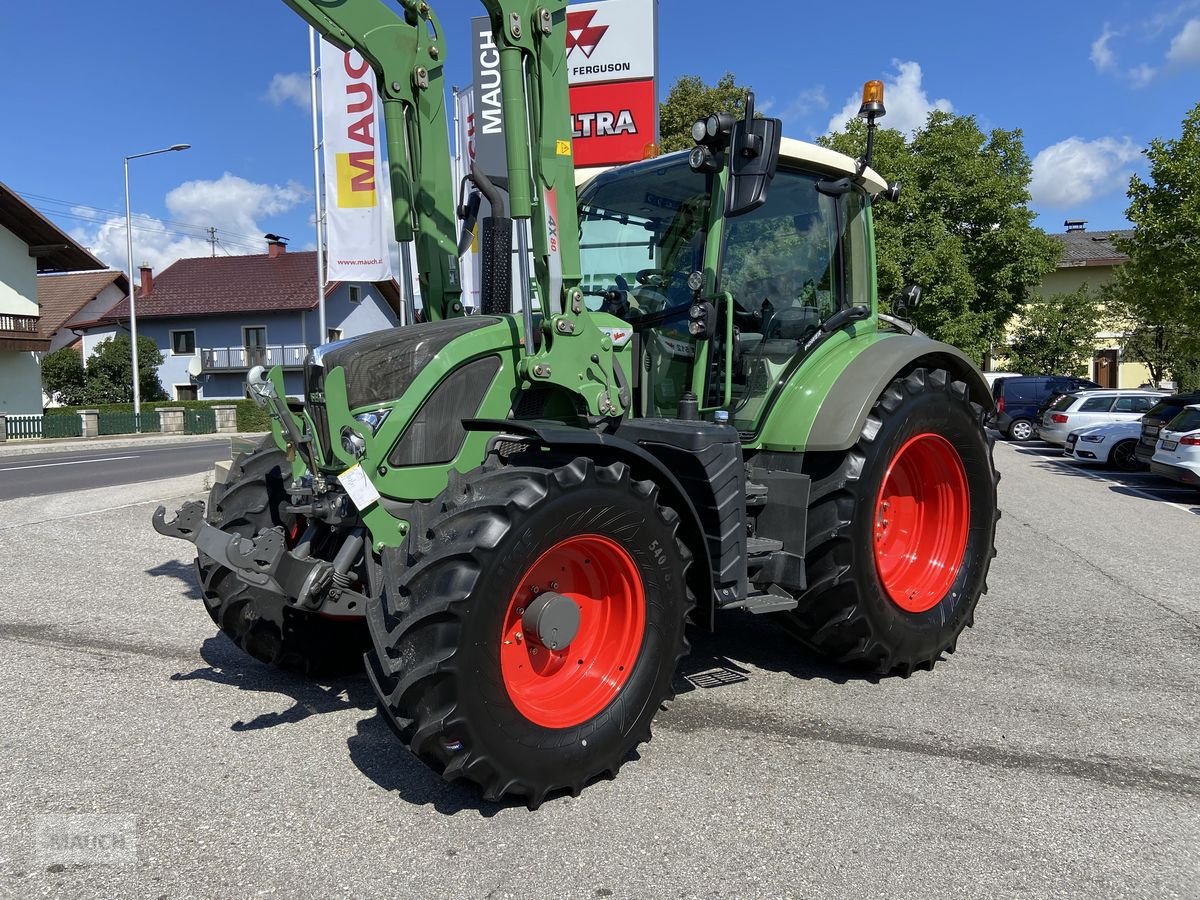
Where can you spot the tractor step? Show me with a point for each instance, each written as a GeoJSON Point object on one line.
{"type": "Point", "coordinates": [759, 546]}
{"type": "Point", "coordinates": [764, 602]}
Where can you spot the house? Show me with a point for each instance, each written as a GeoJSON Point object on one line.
{"type": "Point", "coordinates": [1090, 257]}
{"type": "Point", "coordinates": [30, 244]}
{"type": "Point", "coordinates": [72, 302]}
{"type": "Point", "coordinates": [214, 318]}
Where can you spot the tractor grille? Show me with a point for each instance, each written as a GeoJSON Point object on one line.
{"type": "Point", "coordinates": [314, 402]}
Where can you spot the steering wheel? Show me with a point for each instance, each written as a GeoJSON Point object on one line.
{"type": "Point", "coordinates": [658, 278]}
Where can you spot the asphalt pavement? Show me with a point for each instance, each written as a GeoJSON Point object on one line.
{"type": "Point", "coordinates": [1054, 755]}
{"type": "Point", "coordinates": [61, 471]}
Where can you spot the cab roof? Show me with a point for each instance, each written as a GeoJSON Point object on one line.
{"type": "Point", "coordinates": [790, 151]}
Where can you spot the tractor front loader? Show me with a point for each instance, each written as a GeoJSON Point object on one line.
{"type": "Point", "coordinates": [696, 408]}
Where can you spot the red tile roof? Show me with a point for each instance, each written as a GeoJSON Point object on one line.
{"type": "Point", "coordinates": [221, 285]}
{"type": "Point", "coordinates": [60, 297]}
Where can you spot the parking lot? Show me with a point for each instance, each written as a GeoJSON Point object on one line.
{"type": "Point", "coordinates": [1135, 484]}
{"type": "Point", "coordinates": [1054, 755]}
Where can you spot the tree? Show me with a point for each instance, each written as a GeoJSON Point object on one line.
{"type": "Point", "coordinates": [1057, 334]}
{"type": "Point", "coordinates": [962, 228]}
{"type": "Point", "coordinates": [63, 376]}
{"type": "Point", "coordinates": [110, 371]}
{"type": "Point", "coordinates": [690, 99]}
{"type": "Point", "coordinates": [1155, 296]}
{"type": "Point", "coordinates": [108, 377]}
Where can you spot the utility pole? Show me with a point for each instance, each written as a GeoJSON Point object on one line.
{"type": "Point", "coordinates": [212, 239]}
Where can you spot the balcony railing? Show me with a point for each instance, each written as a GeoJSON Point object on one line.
{"type": "Point", "coordinates": [22, 324]}
{"type": "Point", "coordinates": [233, 359]}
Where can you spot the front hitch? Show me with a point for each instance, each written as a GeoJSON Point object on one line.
{"type": "Point", "coordinates": [264, 561]}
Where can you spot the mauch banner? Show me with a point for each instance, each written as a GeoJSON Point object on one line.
{"type": "Point", "coordinates": [358, 224]}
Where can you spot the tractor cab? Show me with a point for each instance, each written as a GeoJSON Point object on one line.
{"type": "Point", "coordinates": [781, 271]}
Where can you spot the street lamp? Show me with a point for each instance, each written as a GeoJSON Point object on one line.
{"type": "Point", "coordinates": [137, 391]}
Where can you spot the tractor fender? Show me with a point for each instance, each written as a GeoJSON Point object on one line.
{"type": "Point", "coordinates": [844, 411]}
{"type": "Point", "coordinates": [848, 381]}
{"type": "Point", "coordinates": [587, 442]}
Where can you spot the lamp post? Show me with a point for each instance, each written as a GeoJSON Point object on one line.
{"type": "Point", "coordinates": [137, 391]}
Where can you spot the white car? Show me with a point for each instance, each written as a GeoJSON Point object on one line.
{"type": "Point", "coordinates": [1083, 409]}
{"type": "Point", "coordinates": [1112, 444]}
{"type": "Point", "coordinates": [1177, 454]}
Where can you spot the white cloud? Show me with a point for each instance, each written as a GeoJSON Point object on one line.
{"type": "Point", "coordinates": [908, 105]}
{"type": "Point", "coordinates": [1102, 55]}
{"type": "Point", "coordinates": [1185, 46]}
{"type": "Point", "coordinates": [291, 87]}
{"type": "Point", "coordinates": [806, 102]}
{"type": "Point", "coordinates": [1074, 171]}
{"type": "Point", "coordinates": [1141, 75]}
{"type": "Point", "coordinates": [231, 204]}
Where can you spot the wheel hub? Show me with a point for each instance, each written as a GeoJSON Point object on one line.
{"type": "Point", "coordinates": [573, 631]}
{"type": "Point", "coordinates": [552, 619]}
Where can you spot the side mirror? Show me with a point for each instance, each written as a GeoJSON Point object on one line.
{"type": "Point", "coordinates": [753, 158]}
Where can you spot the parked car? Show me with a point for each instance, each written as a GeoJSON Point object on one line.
{"type": "Point", "coordinates": [1017, 400]}
{"type": "Point", "coordinates": [1162, 412]}
{"type": "Point", "coordinates": [1112, 444]}
{"type": "Point", "coordinates": [992, 377]}
{"type": "Point", "coordinates": [1178, 453]}
{"type": "Point", "coordinates": [1082, 409]}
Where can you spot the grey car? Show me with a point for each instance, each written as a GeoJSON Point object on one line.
{"type": "Point", "coordinates": [1083, 409]}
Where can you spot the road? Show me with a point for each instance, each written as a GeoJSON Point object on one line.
{"type": "Point", "coordinates": [37, 474]}
{"type": "Point", "coordinates": [1054, 755]}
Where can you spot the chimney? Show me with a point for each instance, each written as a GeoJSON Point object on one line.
{"type": "Point", "coordinates": [147, 280]}
{"type": "Point", "coordinates": [1076, 224]}
{"type": "Point", "coordinates": [276, 245]}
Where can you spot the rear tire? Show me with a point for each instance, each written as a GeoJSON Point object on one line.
{"type": "Point", "coordinates": [260, 623]}
{"type": "Point", "coordinates": [1019, 430]}
{"type": "Point", "coordinates": [895, 600]}
{"type": "Point", "coordinates": [462, 680]}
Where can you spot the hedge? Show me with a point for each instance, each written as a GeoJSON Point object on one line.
{"type": "Point", "coordinates": [250, 416]}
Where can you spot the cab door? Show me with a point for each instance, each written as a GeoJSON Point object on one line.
{"type": "Point", "coordinates": [788, 266]}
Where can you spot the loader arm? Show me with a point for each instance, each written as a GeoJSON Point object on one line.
{"type": "Point", "coordinates": [406, 48]}
{"type": "Point", "coordinates": [407, 53]}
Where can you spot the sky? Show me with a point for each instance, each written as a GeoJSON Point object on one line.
{"type": "Point", "coordinates": [83, 85]}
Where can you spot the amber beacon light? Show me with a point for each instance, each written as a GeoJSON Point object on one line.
{"type": "Point", "coordinates": [872, 101]}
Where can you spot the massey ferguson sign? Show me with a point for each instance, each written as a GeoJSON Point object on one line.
{"type": "Point", "coordinates": [612, 40]}
{"type": "Point", "coordinates": [611, 63]}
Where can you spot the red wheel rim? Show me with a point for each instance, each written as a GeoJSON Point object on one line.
{"type": "Point", "coordinates": [566, 687]}
{"type": "Point", "coordinates": [921, 521]}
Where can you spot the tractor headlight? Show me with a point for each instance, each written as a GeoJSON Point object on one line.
{"type": "Point", "coordinates": [353, 443]}
{"type": "Point", "coordinates": [374, 419]}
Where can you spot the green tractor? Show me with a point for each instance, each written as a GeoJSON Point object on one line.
{"type": "Point", "coordinates": [516, 514]}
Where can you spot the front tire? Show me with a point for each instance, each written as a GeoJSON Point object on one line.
{"type": "Point", "coordinates": [467, 679]}
{"type": "Point", "coordinates": [901, 530]}
{"type": "Point", "coordinates": [1123, 456]}
{"type": "Point", "coordinates": [260, 623]}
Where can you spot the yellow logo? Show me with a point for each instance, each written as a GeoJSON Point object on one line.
{"type": "Point", "coordinates": [562, 148]}
{"type": "Point", "coordinates": [356, 179]}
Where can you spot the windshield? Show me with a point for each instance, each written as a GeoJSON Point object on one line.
{"type": "Point", "coordinates": [641, 232]}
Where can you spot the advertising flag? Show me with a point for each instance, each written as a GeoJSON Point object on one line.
{"type": "Point", "coordinates": [358, 223]}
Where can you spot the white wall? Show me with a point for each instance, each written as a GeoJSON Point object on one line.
{"type": "Point", "coordinates": [94, 337]}
{"type": "Point", "coordinates": [18, 276]}
{"type": "Point", "coordinates": [20, 382]}
{"type": "Point", "coordinates": [102, 303]}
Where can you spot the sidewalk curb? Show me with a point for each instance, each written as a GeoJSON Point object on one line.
{"type": "Point", "coordinates": [69, 445]}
